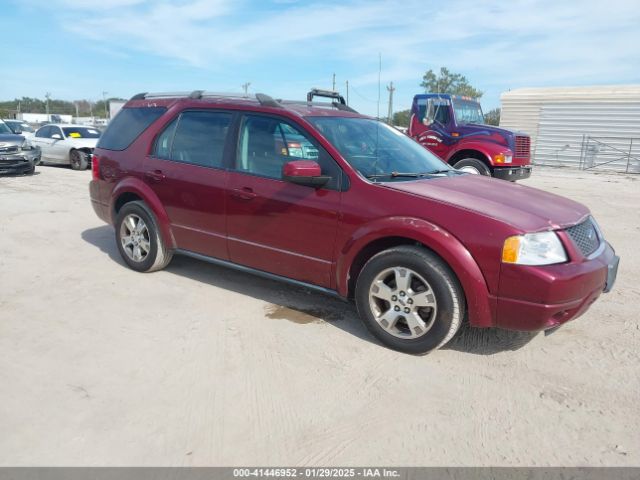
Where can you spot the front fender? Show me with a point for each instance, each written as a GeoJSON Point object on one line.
{"type": "Point", "coordinates": [487, 148]}
{"type": "Point", "coordinates": [146, 193]}
{"type": "Point", "coordinates": [481, 305]}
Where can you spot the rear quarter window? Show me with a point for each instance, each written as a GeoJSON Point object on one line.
{"type": "Point", "coordinates": [127, 125]}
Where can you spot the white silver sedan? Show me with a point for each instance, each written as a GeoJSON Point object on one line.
{"type": "Point", "coordinates": [67, 144]}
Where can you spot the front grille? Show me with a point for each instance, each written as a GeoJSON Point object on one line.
{"type": "Point", "coordinates": [523, 146]}
{"type": "Point", "coordinates": [10, 149]}
{"type": "Point", "coordinates": [585, 237]}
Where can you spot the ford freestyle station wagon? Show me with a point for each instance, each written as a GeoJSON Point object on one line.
{"type": "Point", "coordinates": [318, 195]}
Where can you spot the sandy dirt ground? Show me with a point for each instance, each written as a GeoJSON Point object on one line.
{"type": "Point", "coordinates": [200, 365]}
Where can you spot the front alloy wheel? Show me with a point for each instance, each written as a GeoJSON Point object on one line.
{"type": "Point", "coordinates": [410, 299]}
{"type": "Point", "coordinates": [403, 302]}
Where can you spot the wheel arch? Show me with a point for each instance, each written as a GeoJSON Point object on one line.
{"type": "Point", "coordinates": [412, 231]}
{"type": "Point", "coordinates": [470, 153]}
{"type": "Point", "coordinates": [133, 189]}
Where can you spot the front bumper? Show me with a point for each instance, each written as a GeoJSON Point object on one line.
{"type": "Point", "coordinates": [541, 298]}
{"type": "Point", "coordinates": [512, 173]}
{"type": "Point", "coordinates": [22, 162]}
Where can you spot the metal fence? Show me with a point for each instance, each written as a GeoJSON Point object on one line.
{"type": "Point", "coordinates": [610, 153]}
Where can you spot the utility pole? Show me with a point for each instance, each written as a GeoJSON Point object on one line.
{"type": "Point", "coordinates": [334, 83]}
{"type": "Point", "coordinates": [347, 92]}
{"type": "Point", "coordinates": [245, 87]}
{"type": "Point", "coordinates": [391, 89]}
{"type": "Point", "coordinates": [76, 105]}
{"type": "Point", "coordinates": [104, 99]}
{"type": "Point", "coordinates": [47, 96]}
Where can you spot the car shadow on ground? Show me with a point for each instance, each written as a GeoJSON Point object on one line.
{"type": "Point", "coordinates": [303, 306]}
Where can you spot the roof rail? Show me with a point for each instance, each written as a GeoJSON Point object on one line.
{"type": "Point", "coordinates": [138, 96]}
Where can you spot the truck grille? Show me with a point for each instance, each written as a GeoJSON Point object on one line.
{"type": "Point", "coordinates": [523, 146]}
{"type": "Point", "coordinates": [585, 237]}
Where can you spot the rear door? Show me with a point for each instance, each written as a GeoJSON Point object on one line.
{"type": "Point", "coordinates": [277, 226]}
{"type": "Point", "coordinates": [186, 169]}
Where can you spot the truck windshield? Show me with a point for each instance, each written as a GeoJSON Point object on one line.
{"type": "Point", "coordinates": [4, 128]}
{"type": "Point", "coordinates": [467, 111]}
{"type": "Point", "coordinates": [378, 150]}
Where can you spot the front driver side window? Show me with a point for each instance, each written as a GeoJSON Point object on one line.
{"type": "Point", "coordinates": [266, 144]}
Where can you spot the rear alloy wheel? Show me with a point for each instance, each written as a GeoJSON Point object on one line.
{"type": "Point", "coordinates": [410, 299]}
{"type": "Point", "coordinates": [474, 166]}
{"type": "Point", "coordinates": [139, 240]}
{"type": "Point", "coordinates": [78, 160]}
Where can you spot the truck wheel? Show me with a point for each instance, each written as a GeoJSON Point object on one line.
{"type": "Point", "coordinates": [139, 240]}
{"type": "Point", "coordinates": [409, 299]}
{"type": "Point", "coordinates": [78, 160]}
{"type": "Point", "coordinates": [473, 165]}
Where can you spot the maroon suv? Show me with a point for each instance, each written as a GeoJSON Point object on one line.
{"type": "Point", "coordinates": [318, 195]}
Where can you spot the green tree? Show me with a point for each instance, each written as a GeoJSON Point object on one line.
{"type": "Point", "coordinates": [448, 82]}
{"type": "Point", "coordinates": [401, 118]}
{"type": "Point", "coordinates": [492, 117]}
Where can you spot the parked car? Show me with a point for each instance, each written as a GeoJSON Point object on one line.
{"type": "Point", "coordinates": [17, 153]}
{"type": "Point", "coordinates": [419, 246]}
{"type": "Point", "coordinates": [20, 127]}
{"type": "Point", "coordinates": [67, 144]}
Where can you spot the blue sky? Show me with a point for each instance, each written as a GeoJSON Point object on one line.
{"type": "Point", "coordinates": [79, 48]}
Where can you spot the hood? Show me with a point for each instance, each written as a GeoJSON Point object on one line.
{"type": "Point", "coordinates": [524, 208]}
{"type": "Point", "coordinates": [9, 139]}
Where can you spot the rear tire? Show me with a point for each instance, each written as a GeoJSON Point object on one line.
{"type": "Point", "coordinates": [410, 300]}
{"type": "Point", "coordinates": [78, 160]}
{"type": "Point", "coordinates": [474, 166]}
{"type": "Point", "coordinates": [138, 238]}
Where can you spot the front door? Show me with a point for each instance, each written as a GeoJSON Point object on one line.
{"type": "Point", "coordinates": [277, 226]}
{"type": "Point", "coordinates": [186, 170]}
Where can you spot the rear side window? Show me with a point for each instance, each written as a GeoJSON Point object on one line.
{"type": "Point", "coordinates": [196, 137]}
{"type": "Point", "coordinates": [127, 125]}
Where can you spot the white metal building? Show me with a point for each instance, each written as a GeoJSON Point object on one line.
{"type": "Point", "coordinates": [586, 127]}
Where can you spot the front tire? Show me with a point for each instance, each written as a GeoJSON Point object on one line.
{"type": "Point", "coordinates": [78, 160]}
{"type": "Point", "coordinates": [410, 300]}
{"type": "Point", "coordinates": [474, 166]}
{"type": "Point", "coordinates": [139, 240]}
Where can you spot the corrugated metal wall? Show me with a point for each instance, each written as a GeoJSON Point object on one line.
{"type": "Point", "coordinates": [557, 119]}
{"type": "Point", "coordinates": [611, 125]}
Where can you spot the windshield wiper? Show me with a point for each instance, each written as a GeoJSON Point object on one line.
{"type": "Point", "coordinates": [395, 175]}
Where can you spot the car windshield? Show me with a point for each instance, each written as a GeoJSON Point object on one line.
{"type": "Point", "coordinates": [467, 111]}
{"type": "Point", "coordinates": [377, 150]}
{"type": "Point", "coordinates": [24, 127]}
{"type": "Point", "coordinates": [81, 132]}
{"type": "Point", "coordinates": [4, 128]}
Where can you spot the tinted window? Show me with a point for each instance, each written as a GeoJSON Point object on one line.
{"type": "Point", "coordinates": [266, 144]}
{"type": "Point", "coordinates": [162, 148]}
{"type": "Point", "coordinates": [55, 131]}
{"type": "Point", "coordinates": [197, 137]}
{"type": "Point", "coordinates": [4, 128]}
{"type": "Point", "coordinates": [127, 125]}
{"type": "Point", "coordinates": [43, 132]}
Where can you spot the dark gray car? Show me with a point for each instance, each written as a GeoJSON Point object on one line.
{"type": "Point", "coordinates": [17, 154]}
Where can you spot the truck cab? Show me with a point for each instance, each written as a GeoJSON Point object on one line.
{"type": "Point", "coordinates": [453, 128]}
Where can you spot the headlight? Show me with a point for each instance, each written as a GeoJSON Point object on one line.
{"type": "Point", "coordinates": [542, 248]}
{"type": "Point", "coordinates": [26, 145]}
